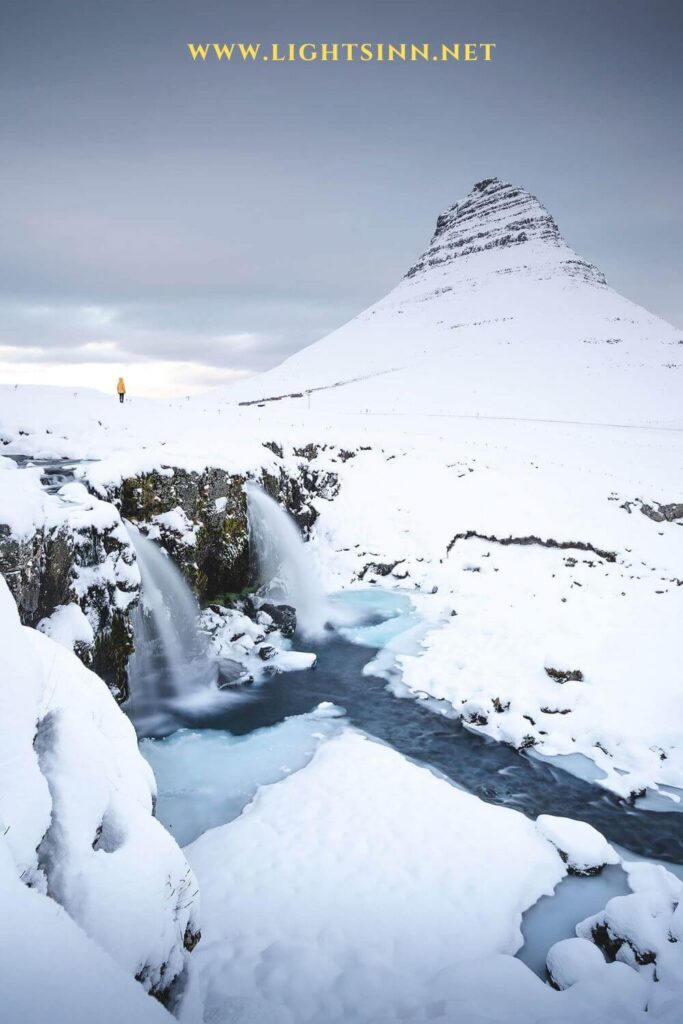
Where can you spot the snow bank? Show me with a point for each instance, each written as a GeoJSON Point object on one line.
{"type": "Point", "coordinates": [76, 809]}
{"type": "Point", "coordinates": [68, 626]}
{"type": "Point", "coordinates": [554, 622]}
{"type": "Point", "coordinates": [582, 847]}
{"type": "Point", "coordinates": [22, 500]}
{"type": "Point", "coordinates": [364, 888]}
{"type": "Point", "coordinates": [644, 930]}
{"type": "Point", "coordinates": [50, 971]}
{"type": "Point", "coordinates": [342, 891]}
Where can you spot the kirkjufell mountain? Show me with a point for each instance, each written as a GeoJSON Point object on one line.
{"type": "Point", "coordinates": [497, 317]}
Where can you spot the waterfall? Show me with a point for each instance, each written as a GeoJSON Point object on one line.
{"type": "Point", "coordinates": [170, 664]}
{"type": "Point", "coordinates": [283, 562]}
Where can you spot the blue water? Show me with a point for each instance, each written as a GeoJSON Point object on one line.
{"type": "Point", "coordinates": [496, 773]}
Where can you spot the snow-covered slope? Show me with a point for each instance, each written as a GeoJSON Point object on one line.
{"type": "Point", "coordinates": [498, 317]}
{"type": "Point", "coordinates": [76, 828]}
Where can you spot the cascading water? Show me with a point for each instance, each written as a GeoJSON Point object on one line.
{"type": "Point", "coordinates": [170, 665]}
{"type": "Point", "coordinates": [283, 562]}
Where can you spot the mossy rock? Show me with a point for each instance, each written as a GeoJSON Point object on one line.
{"type": "Point", "coordinates": [110, 655]}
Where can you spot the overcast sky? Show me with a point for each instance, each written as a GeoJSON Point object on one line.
{"type": "Point", "coordinates": [186, 223]}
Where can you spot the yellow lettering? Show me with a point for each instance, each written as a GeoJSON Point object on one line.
{"type": "Point", "coordinates": [329, 51]}
{"type": "Point", "coordinates": [423, 51]}
{"type": "Point", "coordinates": [199, 50]}
{"type": "Point", "coordinates": [487, 48]}
{"type": "Point", "coordinates": [450, 51]}
{"type": "Point", "coordinates": [307, 52]}
{"type": "Point", "coordinates": [366, 52]}
{"type": "Point", "coordinates": [396, 51]}
{"type": "Point", "coordinates": [223, 51]}
{"type": "Point", "coordinates": [470, 51]}
{"type": "Point", "coordinates": [249, 50]}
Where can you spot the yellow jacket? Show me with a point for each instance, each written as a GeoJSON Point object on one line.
{"type": "Point", "coordinates": [121, 387]}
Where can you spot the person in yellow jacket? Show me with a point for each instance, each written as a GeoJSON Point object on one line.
{"type": "Point", "coordinates": [121, 389]}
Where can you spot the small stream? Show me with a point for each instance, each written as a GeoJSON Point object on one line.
{"type": "Point", "coordinates": [207, 773]}
{"type": "Point", "coordinates": [495, 773]}
{"type": "Point", "coordinates": [54, 472]}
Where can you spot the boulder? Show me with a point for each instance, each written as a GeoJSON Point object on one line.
{"type": "Point", "coordinates": [283, 616]}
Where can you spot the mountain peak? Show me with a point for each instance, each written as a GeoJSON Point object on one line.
{"type": "Point", "coordinates": [499, 217]}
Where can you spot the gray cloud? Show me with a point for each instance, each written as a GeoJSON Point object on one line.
{"type": "Point", "coordinates": [227, 215]}
{"type": "Point", "coordinates": [185, 330]}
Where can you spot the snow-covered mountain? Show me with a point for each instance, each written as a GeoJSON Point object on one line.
{"type": "Point", "coordinates": [497, 317]}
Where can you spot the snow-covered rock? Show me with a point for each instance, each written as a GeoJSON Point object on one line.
{"type": "Point", "coordinates": [252, 641]}
{"type": "Point", "coordinates": [71, 568]}
{"type": "Point", "coordinates": [69, 626]}
{"type": "Point", "coordinates": [572, 960]}
{"type": "Point", "coordinates": [642, 929]}
{"type": "Point", "coordinates": [76, 801]}
{"type": "Point", "coordinates": [584, 850]}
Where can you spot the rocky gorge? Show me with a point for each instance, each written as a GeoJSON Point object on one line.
{"type": "Point", "coordinates": [79, 555]}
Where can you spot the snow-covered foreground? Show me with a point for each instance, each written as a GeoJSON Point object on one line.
{"type": "Point", "coordinates": [380, 892]}
{"type": "Point", "coordinates": [95, 892]}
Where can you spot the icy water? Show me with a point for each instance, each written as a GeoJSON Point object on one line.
{"type": "Point", "coordinates": [55, 472]}
{"type": "Point", "coordinates": [492, 771]}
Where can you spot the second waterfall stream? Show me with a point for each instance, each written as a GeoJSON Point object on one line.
{"type": "Point", "coordinates": [282, 563]}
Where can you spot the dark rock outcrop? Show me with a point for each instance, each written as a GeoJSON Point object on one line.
{"type": "Point", "coordinates": [497, 215]}
{"type": "Point", "coordinates": [283, 616]}
{"type": "Point", "coordinates": [214, 502]}
{"type": "Point", "coordinates": [561, 675]}
{"type": "Point", "coordinates": [232, 673]}
{"type": "Point", "coordinates": [85, 565]}
{"type": "Point", "coordinates": [562, 545]}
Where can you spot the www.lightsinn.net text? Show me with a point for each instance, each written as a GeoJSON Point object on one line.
{"type": "Point", "coordinates": [279, 53]}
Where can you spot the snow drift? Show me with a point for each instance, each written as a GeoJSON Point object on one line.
{"type": "Point", "coordinates": [76, 828]}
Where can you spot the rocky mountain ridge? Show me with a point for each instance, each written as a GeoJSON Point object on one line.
{"type": "Point", "coordinates": [495, 216]}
